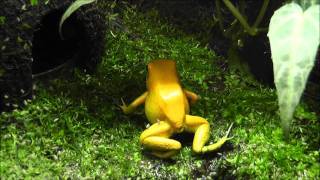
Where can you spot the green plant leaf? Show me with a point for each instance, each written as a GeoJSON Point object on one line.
{"type": "Point", "coordinates": [72, 8]}
{"type": "Point", "coordinates": [34, 2]}
{"type": "Point", "coordinates": [294, 40]}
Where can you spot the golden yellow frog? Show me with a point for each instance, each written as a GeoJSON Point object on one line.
{"type": "Point", "coordinates": [167, 109]}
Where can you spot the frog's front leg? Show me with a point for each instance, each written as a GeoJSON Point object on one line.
{"type": "Point", "coordinates": [201, 128]}
{"type": "Point", "coordinates": [156, 138]}
{"type": "Point", "coordinates": [132, 106]}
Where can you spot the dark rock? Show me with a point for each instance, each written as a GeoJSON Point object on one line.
{"type": "Point", "coordinates": [29, 43]}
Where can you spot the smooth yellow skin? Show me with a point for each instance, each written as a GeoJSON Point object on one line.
{"type": "Point", "coordinates": [167, 109]}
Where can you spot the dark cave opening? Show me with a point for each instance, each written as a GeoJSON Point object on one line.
{"type": "Point", "coordinates": [49, 51]}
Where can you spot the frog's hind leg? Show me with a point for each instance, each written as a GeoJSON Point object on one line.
{"type": "Point", "coordinates": [156, 138]}
{"type": "Point", "coordinates": [193, 97]}
{"type": "Point", "coordinates": [201, 128]}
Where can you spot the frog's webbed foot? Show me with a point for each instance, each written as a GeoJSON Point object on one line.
{"type": "Point", "coordinates": [228, 132]}
{"type": "Point", "coordinates": [219, 143]}
{"type": "Point", "coordinates": [201, 128]}
{"type": "Point", "coordinates": [132, 106]}
{"type": "Point", "coordinates": [156, 138]}
{"type": "Point", "coordinates": [126, 109]}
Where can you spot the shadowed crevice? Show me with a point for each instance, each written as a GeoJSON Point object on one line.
{"type": "Point", "coordinates": [49, 51]}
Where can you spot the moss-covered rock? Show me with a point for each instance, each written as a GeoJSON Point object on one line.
{"type": "Point", "coordinates": [21, 48]}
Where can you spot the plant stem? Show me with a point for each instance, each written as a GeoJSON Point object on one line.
{"type": "Point", "coordinates": [230, 28]}
{"type": "Point", "coordinates": [220, 20]}
{"type": "Point", "coordinates": [241, 19]}
{"type": "Point", "coordinates": [261, 13]}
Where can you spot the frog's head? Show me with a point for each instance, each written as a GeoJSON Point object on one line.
{"type": "Point", "coordinates": [162, 71]}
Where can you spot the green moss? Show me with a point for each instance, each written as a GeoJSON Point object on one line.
{"type": "Point", "coordinates": [75, 129]}
{"type": "Point", "coordinates": [2, 20]}
{"type": "Point", "coordinates": [34, 2]}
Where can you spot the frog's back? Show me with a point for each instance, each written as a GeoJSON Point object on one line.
{"type": "Point", "coordinates": [166, 103]}
{"type": "Point", "coordinates": [166, 99]}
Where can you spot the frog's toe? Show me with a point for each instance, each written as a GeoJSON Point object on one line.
{"type": "Point", "coordinates": [228, 138]}
{"type": "Point", "coordinates": [123, 104]}
{"type": "Point", "coordinates": [228, 132]}
{"type": "Point", "coordinates": [126, 109]}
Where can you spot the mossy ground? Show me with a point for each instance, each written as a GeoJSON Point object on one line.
{"type": "Point", "coordinates": [74, 128]}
